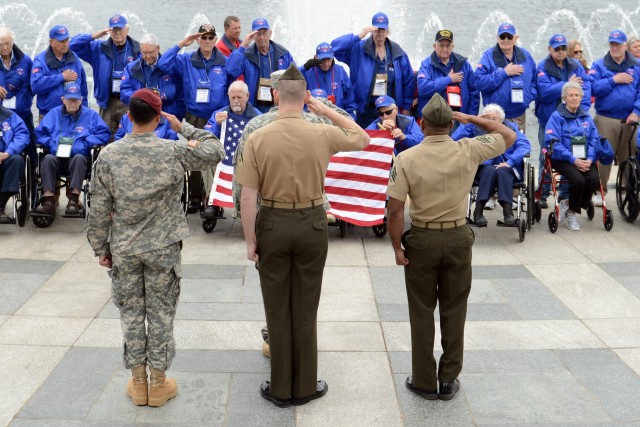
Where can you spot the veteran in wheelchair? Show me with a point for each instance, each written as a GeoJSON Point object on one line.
{"type": "Point", "coordinates": [14, 138]}
{"type": "Point", "coordinates": [499, 173]}
{"type": "Point", "coordinates": [67, 135]}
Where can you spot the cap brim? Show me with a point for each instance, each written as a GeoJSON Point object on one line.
{"type": "Point", "coordinates": [325, 56]}
{"type": "Point", "coordinates": [60, 39]}
{"type": "Point", "coordinates": [261, 27]}
{"type": "Point", "coordinates": [445, 38]}
{"type": "Point", "coordinates": [118, 25]}
{"type": "Point", "coordinates": [72, 96]}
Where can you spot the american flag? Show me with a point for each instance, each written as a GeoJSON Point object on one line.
{"type": "Point", "coordinates": [230, 133]}
{"type": "Point", "coordinates": [356, 181]}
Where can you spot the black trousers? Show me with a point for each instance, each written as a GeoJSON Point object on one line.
{"type": "Point", "coordinates": [582, 185]}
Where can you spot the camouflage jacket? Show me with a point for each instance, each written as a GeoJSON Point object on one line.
{"type": "Point", "coordinates": [136, 187]}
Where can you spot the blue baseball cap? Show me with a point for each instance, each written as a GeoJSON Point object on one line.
{"type": "Point", "coordinates": [384, 101]}
{"type": "Point", "coordinates": [557, 40]}
{"type": "Point", "coordinates": [259, 24]}
{"type": "Point", "coordinates": [72, 91]}
{"type": "Point", "coordinates": [506, 28]}
{"type": "Point", "coordinates": [117, 21]}
{"type": "Point", "coordinates": [617, 36]}
{"type": "Point", "coordinates": [324, 50]}
{"type": "Point", "coordinates": [59, 32]}
{"type": "Point", "coordinates": [319, 93]}
{"type": "Point", "coordinates": [380, 20]}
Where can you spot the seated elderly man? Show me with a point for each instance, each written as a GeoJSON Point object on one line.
{"type": "Point", "coordinates": [14, 138]}
{"type": "Point", "coordinates": [501, 171]}
{"type": "Point", "coordinates": [68, 132]}
{"type": "Point", "coordinates": [404, 129]}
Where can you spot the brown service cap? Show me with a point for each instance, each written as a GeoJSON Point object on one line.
{"type": "Point", "coordinates": [437, 111]}
{"type": "Point", "coordinates": [292, 73]}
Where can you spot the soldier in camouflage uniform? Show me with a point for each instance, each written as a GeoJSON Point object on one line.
{"type": "Point", "coordinates": [136, 227]}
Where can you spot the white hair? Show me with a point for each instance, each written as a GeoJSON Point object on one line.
{"type": "Point", "coordinates": [571, 85]}
{"type": "Point", "coordinates": [4, 32]}
{"type": "Point", "coordinates": [149, 39]}
{"type": "Point", "coordinates": [494, 109]}
{"type": "Point", "coordinates": [239, 84]}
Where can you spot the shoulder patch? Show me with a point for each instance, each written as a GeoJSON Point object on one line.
{"type": "Point", "coordinates": [393, 174]}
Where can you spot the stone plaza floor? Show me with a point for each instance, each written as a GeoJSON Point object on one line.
{"type": "Point", "coordinates": [552, 336]}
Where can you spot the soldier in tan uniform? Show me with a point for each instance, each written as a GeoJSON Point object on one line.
{"type": "Point", "coordinates": [436, 252]}
{"type": "Point", "coordinates": [136, 227]}
{"type": "Point", "coordinates": [285, 163]}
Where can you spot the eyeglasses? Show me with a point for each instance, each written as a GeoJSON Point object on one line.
{"type": "Point", "coordinates": [560, 48]}
{"type": "Point", "coordinates": [506, 36]}
{"type": "Point", "coordinates": [207, 38]}
{"type": "Point", "coordinates": [575, 52]}
{"type": "Point", "coordinates": [385, 113]}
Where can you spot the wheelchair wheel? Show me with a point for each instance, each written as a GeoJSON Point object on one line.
{"type": "Point", "coordinates": [553, 222]}
{"type": "Point", "coordinates": [590, 211]}
{"type": "Point", "coordinates": [42, 221]}
{"type": "Point", "coordinates": [537, 211]}
{"type": "Point", "coordinates": [522, 229]}
{"type": "Point", "coordinates": [343, 228]}
{"type": "Point", "coordinates": [608, 222]}
{"type": "Point", "coordinates": [532, 205]}
{"type": "Point", "coordinates": [627, 191]}
{"type": "Point", "coordinates": [22, 208]}
{"type": "Point", "coordinates": [380, 230]}
{"type": "Point", "coordinates": [208, 225]}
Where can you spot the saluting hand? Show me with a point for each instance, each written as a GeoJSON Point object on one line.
{"type": "Point", "coordinates": [315, 106]}
{"type": "Point", "coordinates": [367, 30]}
{"type": "Point", "coordinates": [249, 38]}
{"type": "Point", "coordinates": [176, 124]}
{"type": "Point", "coordinates": [188, 40]}
{"type": "Point", "coordinates": [461, 117]}
{"type": "Point", "coordinates": [100, 33]}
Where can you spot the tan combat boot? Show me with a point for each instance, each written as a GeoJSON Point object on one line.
{"type": "Point", "coordinates": [137, 388]}
{"type": "Point", "coordinates": [161, 388]}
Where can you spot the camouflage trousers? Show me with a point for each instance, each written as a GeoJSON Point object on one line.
{"type": "Point", "coordinates": [147, 286]}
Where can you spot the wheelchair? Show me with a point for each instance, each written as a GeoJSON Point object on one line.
{"type": "Point", "coordinates": [555, 180]}
{"type": "Point", "coordinates": [43, 220]}
{"type": "Point", "coordinates": [21, 201]}
{"type": "Point", "coordinates": [524, 199]}
{"type": "Point", "coordinates": [628, 185]}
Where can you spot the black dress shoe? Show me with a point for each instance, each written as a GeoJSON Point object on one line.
{"type": "Point", "coordinates": [194, 206]}
{"type": "Point", "coordinates": [264, 392]}
{"type": "Point", "coordinates": [429, 395]}
{"type": "Point", "coordinates": [480, 221]}
{"type": "Point", "coordinates": [321, 389]}
{"type": "Point", "coordinates": [448, 390]}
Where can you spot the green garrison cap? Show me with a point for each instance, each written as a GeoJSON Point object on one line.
{"type": "Point", "coordinates": [437, 111]}
{"type": "Point", "coordinates": [292, 73]}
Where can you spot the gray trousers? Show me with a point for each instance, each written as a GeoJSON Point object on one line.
{"type": "Point", "coordinates": [147, 286]}
{"type": "Point", "coordinates": [52, 166]}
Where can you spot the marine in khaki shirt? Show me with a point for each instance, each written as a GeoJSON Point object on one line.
{"type": "Point", "coordinates": [437, 175]}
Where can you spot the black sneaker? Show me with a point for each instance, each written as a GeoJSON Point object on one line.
{"type": "Point", "coordinates": [429, 395]}
{"type": "Point", "coordinates": [449, 390]}
{"type": "Point", "coordinates": [321, 389]}
{"type": "Point", "coordinates": [264, 392]}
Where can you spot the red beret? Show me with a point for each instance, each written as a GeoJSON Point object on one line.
{"type": "Point", "coordinates": [150, 97]}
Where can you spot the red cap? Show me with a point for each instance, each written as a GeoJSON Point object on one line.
{"type": "Point", "coordinates": [150, 97]}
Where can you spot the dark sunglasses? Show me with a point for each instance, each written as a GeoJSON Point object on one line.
{"type": "Point", "coordinates": [560, 48]}
{"type": "Point", "coordinates": [506, 36]}
{"type": "Point", "coordinates": [578, 51]}
{"type": "Point", "coordinates": [385, 113]}
{"type": "Point", "coordinates": [207, 38]}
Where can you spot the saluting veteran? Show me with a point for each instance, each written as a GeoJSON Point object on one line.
{"type": "Point", "coordinates": [285, 163]}
{"type": "Point", "coordinates": [437, 175]}
{"type": "Point", "coordinates": [136, 226]}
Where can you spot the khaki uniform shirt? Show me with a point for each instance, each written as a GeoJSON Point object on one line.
{"type": "Point", "coordinates": [287, 160]}
{"type": "Point", "coordinates": [438, 173]}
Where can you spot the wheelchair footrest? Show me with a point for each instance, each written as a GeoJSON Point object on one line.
{"type": "Point", "coordinates": [502, 224]}
{"type": "Point", "coordinates": [78, 215]}
{"type": "Point", "coordinates": [8, 221]}
{"type": "Point", "coordinates": [35, 214]}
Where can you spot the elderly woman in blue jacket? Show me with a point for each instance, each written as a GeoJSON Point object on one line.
{"type": "Point", "coordinates": [574, 152]}
{"type": "Point", "coordinates": [500, 172]}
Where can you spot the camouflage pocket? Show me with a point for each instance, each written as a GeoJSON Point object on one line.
{"type": "Point", "coordinates": [174, 288]}
{"type": "Point", "coordinates": [118, 293]}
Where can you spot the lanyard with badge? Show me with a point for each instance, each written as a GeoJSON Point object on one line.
{"type": "Point", "coordinates": [331, 97]}
{"type": "Point", "coordinates": [517, 86]}
{"type": "Point", "coordinates": [579, 146]}
{"type": "Point", "coordinates": [203, 87]}
{"type": "Point", "coordinates": [65, 143]}
{"type": "Point", "coordinates": [264, 84]}
{"type": "Point", "coordinates": [116, 76]}
{"type": "Point", "coordinates": [381, 79]}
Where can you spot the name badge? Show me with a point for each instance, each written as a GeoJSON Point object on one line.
{"type": "Point", "coordinates": [517, 90]}
{"type": "Point", "coordinates": [116, 80]}
{"type": "Point", "coordinates": [380, 85]}
{"type": "Point", "coordinates": [578, 147]}
{"type": "Point", "coordinates": [264, 90]}
{"type": "Point", "coordinates": [203, 90]}
{"type": "Point", "coordinates": [9, 103]}
{"type": "Point", "coordinates": [64, 147]}
{"type": "Point", "coordinates": [454, 98]}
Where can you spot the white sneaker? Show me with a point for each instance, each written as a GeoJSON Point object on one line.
{"type": "Point", "coordinates": [564, 208]}
{"type": "Point", "coordinates": [572, 222]}
{"type": "Point", "coordinates": [597, 200]}
{"type": "Point", "coordinates": [490, 205]}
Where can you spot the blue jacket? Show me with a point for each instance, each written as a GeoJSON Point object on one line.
{"type": "Point", "coordinates": [163, 130]}
{"type": "Point", "coordinates": [138, 75]}
{"type": "Point", "coordinates": [549, 83]}
{"type": "Point", "coordinates": [495, 85]}
{"type": "Point", "coordinates": [15, 134]}
{"type": "Point", "coordinates": [613, 100]}
{"type": "Point", "coordinates": [47, 81]}
{"type": "Point", "coordinates": [247, 61]}
{"type": "Point", "coordinates": [562, 125]}
{"type": "Point", "coordinates": [86, 127]}
{"type": "Point", "coordinates": [409, 127]}
{"type": "Point", "coordinates": [360, 56]}
{"type": "Point", "coordinates": [16, 81]}
{"type": "Point", "coordinates": [335, 82]}
{"type": "Point", "coordinates": [433, 77]}
{"type": "Point", "coordinates": [212, 126]}
{"type": "Point", "coordinates": [514, 155]}
{"type": "Point", "coordinates": [190, 67]}
{"type": "Point", "coordinates": [100, 54]}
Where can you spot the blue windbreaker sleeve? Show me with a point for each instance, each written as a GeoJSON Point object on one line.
{"type": "Point", "coordinates": [82, 46]}
{"type": "Point", "coordinates": [414, 136]}
{"type": "Point", "coordinates": [522, 148]}
{"type": "Point", "coordinates": [408, 83]}
{"type": "Point", "coordinates": [463, 131]}
{"type": "Point", "coordinates": [586, 87]}
{"type": "Point", "coordinates": [21, 136]}
{"type": "Point", "coordinates": [168, 61]}
{"type": "Point", "coordinates": [349, 99]}
{"type": "Point", "coordinates": [601, 86]}
{"type": "Point", "coordinates": [592, 140]}
{"type": "Point", "coordinates": [126, 87]}
{"type": "Point", "coordinates": [636, 104]}
{"type": "Point", "coordinates": [120, 133]}
{"type": "Point", "coordinates": [474, 93]}
{"type": "Point", "coordinates": [82, 76]}
{"type": "Point", "coordinates": [488, 79]}
{"type": "Point", "coordinates": [235, 62]}
{"type": "Point", "coordinates": [560, 152]}
{"type": "Point", "coordinates": [213, 126]}
{"type": "Point", "coordinates": [45, 131]}
{"type": "Point", "coordinates": [429, 82]}
{"type": "Point", "coordinates": [41, 83]}
{"type": "Point", "coordinates": [547, 91]}
{"type": "Point", "coordinates": [101, 132]}
{"type": "Point", "coordinates": [342, 47]}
